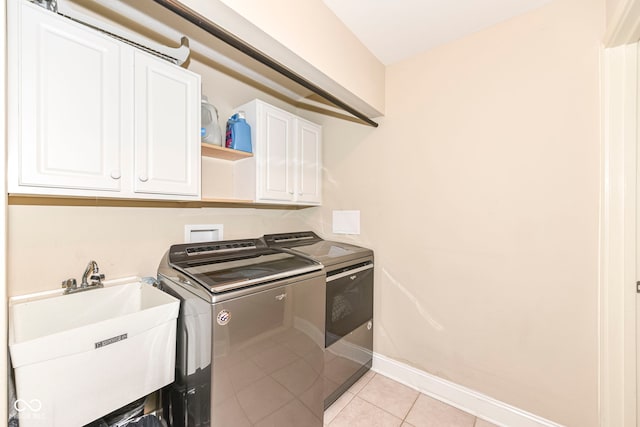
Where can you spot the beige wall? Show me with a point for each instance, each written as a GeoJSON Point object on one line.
{"type": "Point", "coordinates": [124, 241]}
{"type": "Point", "coordinates": [314, 33]}
{"type": "Point", "coordinates": [479, 194]}
{"type": "Point", "coordinates": [614, 7]}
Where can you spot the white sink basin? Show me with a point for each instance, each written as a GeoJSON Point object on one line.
{"type": "Point", "coordinates": [78, 357]}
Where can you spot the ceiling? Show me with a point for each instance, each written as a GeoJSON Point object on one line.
{"type": "Point", "coordinates": [394, 30]}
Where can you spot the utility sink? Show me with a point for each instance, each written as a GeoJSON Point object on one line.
{"type": "Point", "coordinates": [78, 357]}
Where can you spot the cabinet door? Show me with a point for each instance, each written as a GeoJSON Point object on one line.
{"type": "Point", "coordinates": [309, 163]}
{"type": "Point", "coordinates": [274, 154]}
{"type": "Point", "coordinates": [167, 129]}
{"type": "Point", "coordinates": [65, 107]}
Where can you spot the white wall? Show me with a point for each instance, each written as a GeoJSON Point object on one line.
{"type": "Point", "coordinates": [480, 195]}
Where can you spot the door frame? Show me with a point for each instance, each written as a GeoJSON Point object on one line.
{"type": "Point", "coordinates": [3, 211]}
{"type": "Point", "coordinates": [618, 232]}
{"type": "Point", "coordinates": [617, 376]}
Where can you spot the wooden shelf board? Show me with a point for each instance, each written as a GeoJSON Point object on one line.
{"type": "Point", "coordinates": [215, 200]}
{"type": "Point", "coordinates": [217, 152]}
{"type": "Point", "coordinates": [48, 200]}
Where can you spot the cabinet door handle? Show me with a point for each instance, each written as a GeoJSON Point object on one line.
{"type": "Point", "coordinates": [143, 178]}
{"type": "Point", "coordinates": [115, 174]}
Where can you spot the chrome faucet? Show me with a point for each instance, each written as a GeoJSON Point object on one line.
{"type": "Point", "coordinates": [92, 272]}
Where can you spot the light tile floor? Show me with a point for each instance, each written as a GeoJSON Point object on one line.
{"type": "Point", "coordinates": [377, 401]}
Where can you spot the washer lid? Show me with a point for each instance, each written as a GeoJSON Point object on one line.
{"type": "Point", "coordinates": [308, 243]}
{"type": "Point", "coordinates": [229, 265]}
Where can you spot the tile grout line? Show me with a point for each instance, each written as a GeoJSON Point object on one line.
{"type": "Point", "coordinates": [350, 400]}
{"type": "Point", "coordinates": [404, 420]}
{"type": "Point", "coordinates": [360, 391]}
{"type": "Point", "coordinates": [343, 408]}
{"type": "Point", "coordinates": [382, 409]}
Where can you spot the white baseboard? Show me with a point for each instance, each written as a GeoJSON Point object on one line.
{"type": "Point", "coordinates": [470, 401]}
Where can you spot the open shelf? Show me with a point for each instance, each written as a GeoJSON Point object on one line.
{"type": "Point", "coordinates": [217, 152]}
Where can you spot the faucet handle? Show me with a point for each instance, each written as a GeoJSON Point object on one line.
{"type": "Point", "coordinates": [70, 284]}
{"type": "Point", "coordinates": [96, 278]}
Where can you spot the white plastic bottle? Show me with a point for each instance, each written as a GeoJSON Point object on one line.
{"type": "Point", "coordinates": [210, 129]}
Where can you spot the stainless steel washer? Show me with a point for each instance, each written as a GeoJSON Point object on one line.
{"type": "Point", "coordinates": [250, 336]}
{"type": "Point", "coordinates": [349, 306]}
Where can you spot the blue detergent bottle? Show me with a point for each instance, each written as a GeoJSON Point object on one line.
{"type": "Point", "coordinates": [238, 136]}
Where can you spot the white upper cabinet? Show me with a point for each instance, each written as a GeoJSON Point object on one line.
{"type": "Point", "coordinates": [65, 105]}
{"type": "Point", "coordinates": [287, 157]}
{"type": "Point", "coordinates": [92, 116]}
{"type": "Point", "coordinates": [274, 148]}
{"type": "Point", "coordinates": [166, 121]}
{"type": "Point", "coordinates": [309, 162]}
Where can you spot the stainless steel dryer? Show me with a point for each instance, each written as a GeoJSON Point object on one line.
{"type": "Point", "coordinates": [250, 338]}
{"type": "Point", "coordinates": [349, 306]}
